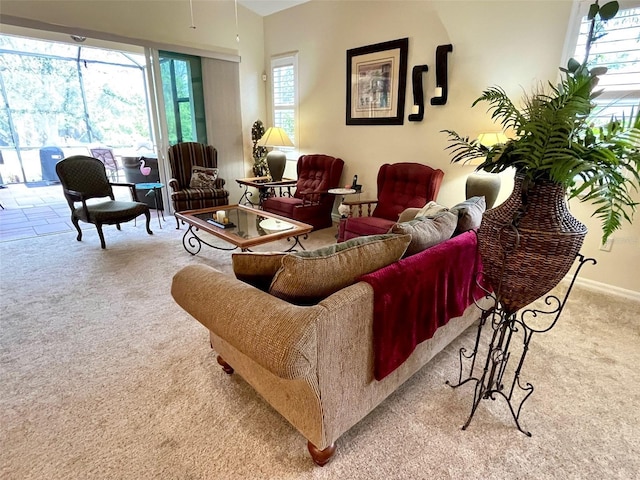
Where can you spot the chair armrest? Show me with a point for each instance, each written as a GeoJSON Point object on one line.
{"type": "Point", "coordinates": [359, 204]}
{"type": "Point", "coordinates": [173, 183]}
{"type": "Point", "coordinates": [279, 336]}
{"type": "Point", "coordinates": [132, 188]}
{"type": "Point", "coordinates": [312, 197]}
{"type": "Point", "coordinates": [220, 182]}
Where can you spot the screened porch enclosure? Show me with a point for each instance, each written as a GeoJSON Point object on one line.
{"type": "Point", "coordinates": [63, 99]}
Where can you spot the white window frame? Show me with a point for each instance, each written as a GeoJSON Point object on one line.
{"type": "Point", "coordinates": [625, 99]}
{"type": "Point", "coordinates": [279, 61]}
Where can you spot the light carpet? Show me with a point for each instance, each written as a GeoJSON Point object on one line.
{"type": "Point", "coordinates": [103, 376]}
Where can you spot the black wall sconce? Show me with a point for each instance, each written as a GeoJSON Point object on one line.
{"type": "Point", "coordinates": [417, 110]}
{"type": "Point", "coordinates": [442, 87]}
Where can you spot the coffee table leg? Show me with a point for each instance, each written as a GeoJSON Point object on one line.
{"type": "Point", "coordinates": [296, 243]}
{"type": "Point", "coordinates": [192, 243]}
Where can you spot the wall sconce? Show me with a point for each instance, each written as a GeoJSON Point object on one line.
{"type": "Point", "coordinates": [417, 110]}
{"type": "Point", "coordinates": [442, 84]}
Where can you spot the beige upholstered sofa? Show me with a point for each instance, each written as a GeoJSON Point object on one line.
{"type": "Point", "coordinates": [313, 363]}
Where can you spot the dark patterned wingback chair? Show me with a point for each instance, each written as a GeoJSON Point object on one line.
{"type": "Point", "coordinates": [400, 186]}
{"type": "Point", "coordinates": [311, 203]}
{"type": "Point", "coordinates": [84, 178]}
{"type": "Point", "coordinates": [182, 157]}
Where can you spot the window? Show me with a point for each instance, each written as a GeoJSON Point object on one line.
{"type": "Point", "coordinates": [284, 95]}
{"type": "Point", "coordinates": [619, 51]}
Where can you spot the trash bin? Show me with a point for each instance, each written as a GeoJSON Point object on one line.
{"type": "Point", "coordinates": [131, 166]}
{"type": "Point", "coordinates": [49, 156]}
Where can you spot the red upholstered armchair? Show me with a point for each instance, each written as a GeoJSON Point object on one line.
{"type": "Point", "coordinates": [400, 186]}
{"type": "Point", "coordinates": [310, 203]}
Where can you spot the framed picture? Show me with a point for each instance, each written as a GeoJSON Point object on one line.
{"type": "Point", "coordinates": [376, 83]}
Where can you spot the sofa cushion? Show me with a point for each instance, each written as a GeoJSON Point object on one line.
{"type": "Point", "coordinates": [256, 268]}
{"type": "Point", "coordinates": [305, 278]}
{"type": "Point", "coordinates": [427, 231]}
{"type": "Point", "coordinates": [469, 214]}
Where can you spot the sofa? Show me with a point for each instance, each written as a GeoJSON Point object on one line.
{"type": "Point", "coordinates": [324, 357]}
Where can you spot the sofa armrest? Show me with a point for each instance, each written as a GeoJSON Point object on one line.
{"type": "Point", "coordinates": [277, 335]}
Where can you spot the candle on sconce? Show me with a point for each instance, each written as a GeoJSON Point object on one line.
{"type": "Point", "coordinates": [415, 110]}
{"type": "Point", "coordinates": [438, 91]}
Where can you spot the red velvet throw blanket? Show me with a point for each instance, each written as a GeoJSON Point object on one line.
{"type": "Point", "coordinates": [418, 294]}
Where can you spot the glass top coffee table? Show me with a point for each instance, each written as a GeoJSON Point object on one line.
{"type": "Point", "coordinates": [246, 228]}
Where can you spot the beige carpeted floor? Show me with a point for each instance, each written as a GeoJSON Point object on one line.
{"type": "Point", "coordinates": [102, 376]}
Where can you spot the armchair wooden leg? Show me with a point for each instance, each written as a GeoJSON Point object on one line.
{"type": "Point", "coordinates": [228, 369]}
{"type": "Point", "coordinates": [101, 235]}
{"type": "Point", "coordinates": [147, 214]}
{"type": "Point", "coordinates": [76, 224]}
{"type": "Point", "coordinates": [321, 457]}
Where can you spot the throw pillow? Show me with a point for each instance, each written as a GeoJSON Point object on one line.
{"type": "Point", "coordinates": [469, 214]}
{"type": "Point", "coordinates": [429, 210]}
{"type": "Point", "coordinates": [202, 177]}
{"type": "Point", "coordinates": [307, 277]}
{"type": "Point", "coordinates": [427, 231]}
{"type": "Point", "coordinates": [256, 268]}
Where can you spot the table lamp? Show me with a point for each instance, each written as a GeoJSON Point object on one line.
{"type": "Point", "coordinates": [485, 184]}
{"type": "Point", "coordinates": [276, 160]}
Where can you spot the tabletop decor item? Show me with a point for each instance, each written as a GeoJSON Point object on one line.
{"type": "Point", "coordinates": [259, 153]}
{"type": "Point", "coordinates": [276, 160]}
{"type": "Point", "coordinates": [556, 150]}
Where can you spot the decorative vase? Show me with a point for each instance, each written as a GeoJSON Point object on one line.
{"type": "Point", "coordinates": [276, 161]}
{"type": "Point", "coordinates": [528, 243]}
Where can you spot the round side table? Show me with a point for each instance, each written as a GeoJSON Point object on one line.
{"type": "Point", "coordinates": [343, 209]}
{"type": "Point", "coordinates": [154, 189]}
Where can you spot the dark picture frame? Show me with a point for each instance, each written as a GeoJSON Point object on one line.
{"type": "Point", "coordinates": [376, 83]}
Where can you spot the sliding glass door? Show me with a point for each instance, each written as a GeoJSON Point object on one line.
{"type": "Point", "coordinates": [183, 97]}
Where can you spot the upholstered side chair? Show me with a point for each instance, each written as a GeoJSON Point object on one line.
{"type": "Point", "coordinates": [85, 178]}
{"type": "Point", "coordinates": [400, 186]}
{"type": "Point", "coordinates": [311, 203]}
{"type": "Point", "coordinates": [182, 158]}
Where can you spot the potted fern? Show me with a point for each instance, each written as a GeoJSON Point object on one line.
{"type": "Point", "coordinates": [556, 153]}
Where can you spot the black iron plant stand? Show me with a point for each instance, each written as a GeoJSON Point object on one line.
{"type": "Point", "coordinates": [492, 381]}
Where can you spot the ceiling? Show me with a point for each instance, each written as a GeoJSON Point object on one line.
{"type": "Point", "coordinates": [267, 7]}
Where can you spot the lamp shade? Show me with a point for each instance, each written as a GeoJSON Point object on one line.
{"type": "Point", "coordinates": [488, 140]}
{"type": "Point", "coordinates": [492, 138]}
{"type": "Point", "coordinates": [275, 137]}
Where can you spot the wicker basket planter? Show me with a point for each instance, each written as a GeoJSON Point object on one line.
{"type": "Point", "coordinates": [528, 243]}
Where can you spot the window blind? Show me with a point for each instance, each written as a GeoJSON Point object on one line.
{"type": "Point", "coordinates": [618, 50]}
{"type": "Point", "coordinates": [283, 74]}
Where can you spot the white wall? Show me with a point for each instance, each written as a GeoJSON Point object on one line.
{"type": "Point", "coordinates": [511, 43]}
{"type": "Point", "coordinates": [514, 44]}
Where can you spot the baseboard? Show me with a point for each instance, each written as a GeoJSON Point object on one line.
{"type": "Point", "coordinates": [606, 288]}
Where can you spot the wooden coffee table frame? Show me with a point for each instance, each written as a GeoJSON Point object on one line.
{"type": "Point", "coordinates": [192, 242]}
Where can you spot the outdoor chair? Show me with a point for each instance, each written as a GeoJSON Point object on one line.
{"type": "Point", "coordinates": [105, 155]}
{"type": "Point", "coordinates": [85, 178]}
{"type": "Point", "coordinates": [400, 186]}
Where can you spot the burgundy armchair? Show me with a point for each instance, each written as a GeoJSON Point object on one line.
{"type": "Point", "coordinates": [400, 186]}
{"type": "Point", "coordinates": [311, 203]}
